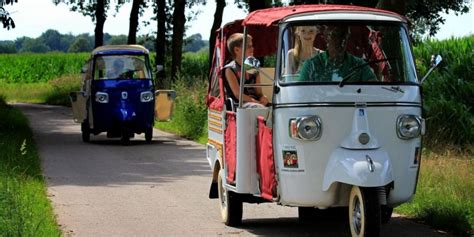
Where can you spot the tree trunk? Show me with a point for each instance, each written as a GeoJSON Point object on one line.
{"type": "Point", "coordinates": [179, 21]}
{"type": "Point", "coordinates": [132, 31]}
{"type": "Point", "coordinates": [220, 5]}
{"type": "Point", "coordinates": [100, 21]}
{"type": "Point", "coordinates": [161, 42]}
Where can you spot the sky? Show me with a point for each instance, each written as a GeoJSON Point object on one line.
{"type": "Point", "coordinates": [33, 17]}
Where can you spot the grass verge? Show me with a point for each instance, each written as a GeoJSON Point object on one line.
{"type": "Point", "coordinates": [190, 112]}
{"type": "Point", "coordinates": [54, 91]}
{"type": "Point", "coordinates": [24, 207]}
{"type": "Point", "coordinates": [445, 191]}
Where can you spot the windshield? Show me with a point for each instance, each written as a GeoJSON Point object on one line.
{"type": "Point", "coordinates": [121, 67]}
{"type": "Point", "coordinates": [346, 52]}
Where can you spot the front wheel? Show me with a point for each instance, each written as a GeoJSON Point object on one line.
{"type": "Point", "coordinates": [85, 130]}
{"type": "Point", "coordinates": [364, 212]}
{"type": "Point", "coordinates": [149, 134]}
{"type": "Point", "coordinates": [230, 204]}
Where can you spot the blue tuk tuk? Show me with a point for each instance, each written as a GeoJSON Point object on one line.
{"type": "Point", "coordinates": [118, 94]}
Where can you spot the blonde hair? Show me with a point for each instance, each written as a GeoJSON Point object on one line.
{"type": "Point", "coordinates": [236, 40]}
{"type": "Point", "coordinates": [298, 45]}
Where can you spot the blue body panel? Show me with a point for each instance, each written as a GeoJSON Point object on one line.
{"type": "Point", "coordinates": [122, 112]}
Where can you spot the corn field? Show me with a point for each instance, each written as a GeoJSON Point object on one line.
{"type": "Point", "coordinates": [449, 91]}
{"type": "Point", "coordinates": [31, 68]}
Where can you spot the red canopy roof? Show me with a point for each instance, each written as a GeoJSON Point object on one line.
{"type": "Point", "coordinates": [269, 16]}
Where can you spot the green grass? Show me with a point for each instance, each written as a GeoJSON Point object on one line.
{"type": "Point", "coordinates": [55, 91]}
{"type": "Point", "coordinates": [24, 207]}
{"type": "Point", "coordinates": [190, 113]}
{"type": "Point", "coordinates": [445, 191]}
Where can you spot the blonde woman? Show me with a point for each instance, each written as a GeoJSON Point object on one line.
{"type": "Point", "coordinates": [304, 49]}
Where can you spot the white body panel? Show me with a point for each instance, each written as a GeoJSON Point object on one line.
{"type": "Point", "coordinates": [246, 170]}
{"type": "Point", "coordinates": [337, 157]}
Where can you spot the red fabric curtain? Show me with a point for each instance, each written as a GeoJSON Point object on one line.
{"type": "Point", "coordinates": [230, 145]}
{"type": "Point", "coordinates": [265, 163]}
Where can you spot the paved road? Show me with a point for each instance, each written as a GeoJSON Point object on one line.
{"type": "Point", "coordinates": [159, 189]}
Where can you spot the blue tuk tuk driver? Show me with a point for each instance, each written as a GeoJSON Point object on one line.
{"type": "Point", "coordinates": [252, 96]}
{"type": "Point", "coordinates": [117, 69]}
{"type": "Point", "coordinates": [334, 64]}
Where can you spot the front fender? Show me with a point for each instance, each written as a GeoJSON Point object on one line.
{"type": "Point", "coordinates": [364, 168]}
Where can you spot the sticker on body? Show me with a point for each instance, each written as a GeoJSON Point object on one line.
{"type": "Point", "coordinates": [292, 159]}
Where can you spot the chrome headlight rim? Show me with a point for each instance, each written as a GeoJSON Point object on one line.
{"type": "Point", "coordinates": [146, 96]}
{"type": "Point", "coordinates": [299, 125]}
{"type": "Point", "coordinates": [401, 125]}
{"type": "Point", "coordinates": [102, 97]}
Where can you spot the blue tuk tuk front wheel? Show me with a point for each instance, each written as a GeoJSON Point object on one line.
{"type": "Point", "coordinates": [149, 134]}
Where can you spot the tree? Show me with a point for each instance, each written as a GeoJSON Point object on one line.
{"type": "Point", "coordinates": [179, 20]}
{"type": "Point", "coordinates": [220, 5]}
{"type": "Point", "coordinates": [134, 13]}
{"type": "Point", "coordinates": [7, 47]}
{"type": "Point", "coordinates": [194, 43]}
{"type": "Point", "coordinates": [5, 18]}
{"type": "Point", "coordinates": [161, 16]}
{"type": "Point", "coordinates": [52, 39]}
{"type": "Point", "coordinates": [117, 40]}
{"type": "Point", "coordinates": [423, 15]}
{"type": "Point", "coordinates": [34, 46]}
{"type": "Point", "coordinates": [81, 44]}
{"type": "Point", "coordinates": [96, 10]}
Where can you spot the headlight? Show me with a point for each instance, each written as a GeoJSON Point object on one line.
{"type": "Point", "coordinates": [305, 128]}
{"type": "Point", "coordinates": [101, 97]}
{"type": "Point", "coordinates": [409, 126]}
{"type": "Point", "coordinates": [146, 96]}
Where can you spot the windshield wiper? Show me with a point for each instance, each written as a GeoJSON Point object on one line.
{"type": "Point", "coordinates": [355, 69]}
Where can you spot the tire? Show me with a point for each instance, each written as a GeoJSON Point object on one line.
{"type": "Point", "coordinates": [385, 214]}
{"type": "Point", "coordinates": [364, 212]}
{"type": "Point", "coordinates": [85, 130]}
{"type": "Point", "coordinates": [125, 139]}
{"type": "Point", "coordinates": [149, 134]}
{"type": "Point", "coordinates": [229, 202]}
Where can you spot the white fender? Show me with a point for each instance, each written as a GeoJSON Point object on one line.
{"type": "Point", "coordinates": [364, 168]}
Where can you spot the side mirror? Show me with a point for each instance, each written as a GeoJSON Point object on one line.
{"type": "Point", "coordinates": [159, 68]}
{"type": "Point", "coordinates": [435, 61]}
{"type": "Point", "coordinates": [251, 63]}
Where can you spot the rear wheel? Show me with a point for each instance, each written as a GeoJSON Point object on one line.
{"type": "Point", "coordinates": [85, 130]}
{"type": "Point", "coordinates": [230, 204]}
{"type": "Point", "coordinates": [385, 213]}
{"type": "Point", "coordinates": [364, 212]}
{"type": "Point", "coordinates": [149, 134]}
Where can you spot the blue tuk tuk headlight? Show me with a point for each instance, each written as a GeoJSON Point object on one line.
{"type": "Point", "coordinates": [306, 128]}
{"type": "Point", "coordinates": [409, 126]}
{"type": "Point", "coordinates": [146, 96]}
{"type": "Point", "coordinates": [101, 97]}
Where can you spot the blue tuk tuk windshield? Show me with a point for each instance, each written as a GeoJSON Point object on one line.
{"type": "Point", "coordinates": [351, 52]}
{"type": "Point", "coordinates": [121, 67]}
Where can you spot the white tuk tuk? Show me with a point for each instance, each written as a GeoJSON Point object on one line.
{"type": "Point", "coordinates": [340, 132]}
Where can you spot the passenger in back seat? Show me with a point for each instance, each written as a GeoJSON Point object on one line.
{"type": "Point", "coordinates": [252, 96]}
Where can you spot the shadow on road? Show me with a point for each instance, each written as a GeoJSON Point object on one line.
{"type": "Point", "coordinates": [104, 161]}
